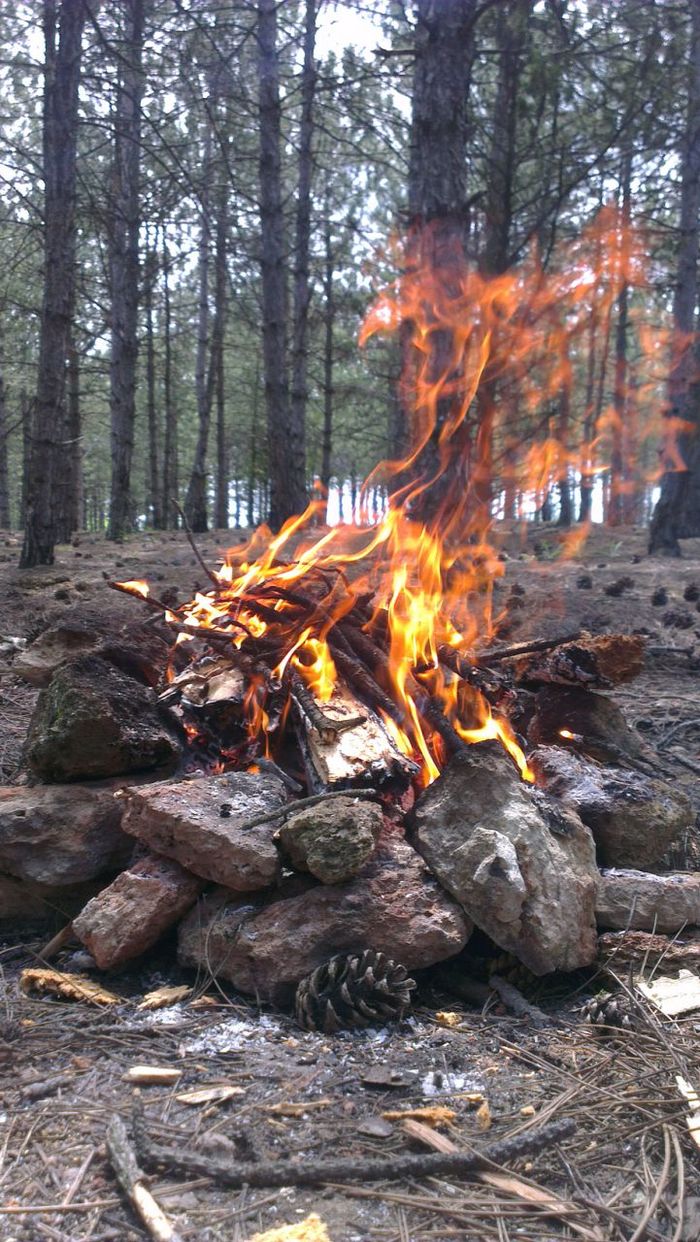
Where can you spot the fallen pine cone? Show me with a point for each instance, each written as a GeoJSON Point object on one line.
{"type": "Point", "coordinates": [609, 1014]}
{"type": "Point", "coordinates": [351, 991]}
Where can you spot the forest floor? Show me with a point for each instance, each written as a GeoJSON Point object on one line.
{"type": "Point", "coordinates": [629, 1172]}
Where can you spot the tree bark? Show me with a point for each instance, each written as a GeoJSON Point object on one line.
{"type": "Point", "coordinates": [619, 467]}
{"type": "Point", "coordinates": [677, 512]}
{"type": "Point", "coordinates": [63, 32]}
{"type": "Point", "coordinates": [302, 244]}
{"type": "Point", "coordinates": [124, 263]}
{"type": "Point", "coordinates": [286, 464]}
{"type": "Point", "coordinates": [329, 311]}
{"type": "Point", "coordinates": [4, 447]}
{"type": "Point", "coordinates": [170, 447]}
{"type": "Point", "coordinates": [221, 501]}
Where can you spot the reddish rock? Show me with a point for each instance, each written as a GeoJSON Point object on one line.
{"type": "Point", "coordinates": [201, 823]}
{"type": "Point", "coordinates": [393, 906]}
{"type": "Point", "coordinates": [129, 916]}
{"type": "Point", "coordinates": [61, 834]}
{"type": "Point", "coordinates": [641, 901]}
{"type": "Point", "coordinates": [95, 721]}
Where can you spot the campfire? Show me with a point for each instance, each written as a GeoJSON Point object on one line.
{"type": "Point", "coordinates": [351, 772]}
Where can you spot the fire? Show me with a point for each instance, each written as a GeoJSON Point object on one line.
{"type": "Point", "coordinates": [135, 587]}
{"type": "Point", "coordinates": [488, 366]}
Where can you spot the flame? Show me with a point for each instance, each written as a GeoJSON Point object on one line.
{"type": "Point", "coordinates": [135, 587]}
{"type": "Point", "coordinates": [489, 364]}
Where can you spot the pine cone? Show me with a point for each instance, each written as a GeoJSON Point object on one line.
{"type": "Point", "coordinates": [353, 991]}
{"type": "Point", "coordinates": [608, 1013]}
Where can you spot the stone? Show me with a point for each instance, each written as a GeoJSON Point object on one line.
{"type": "Point", "coordinates": [94, 721]}
{"type": "Point", "coordinates": [521, 867]}
{"type": "Point", "coordinates": [132, 913]}
{"type": "Point", "coordinates": [634, 818]}
{"type": "Point", "coordinates": [334, 839]}
{"type": "Point", "coordinates": [61, 834]}
{"type": "Point", "coordinates": [116, 634]}
{"type": "Point", "coordinates": [26, 905]}
{"type": "Point", "coordinates": [265, 948]}
{"type": "Point", "coordinates": [641, 901]}
{"type": "Point", "coordinates": [596, 726]}
{"type": "Point", "coordinates": [201, 824]}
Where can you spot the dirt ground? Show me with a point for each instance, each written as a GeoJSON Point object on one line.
{"type": "Point", "coordinates": [630, 1170]}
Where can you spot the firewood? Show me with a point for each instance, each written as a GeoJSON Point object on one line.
{"type": "Point", "coordinates": [600, 661]}
{"type": "Point", "coordinates": [132, 1182]}
{"type": "Point", "coordinates": [337, 756]}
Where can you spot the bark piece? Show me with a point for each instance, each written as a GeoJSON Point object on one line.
{"type": "Point", "coordinates": [61, 835]}
{"type": "Point", "coordinates": [634, 818]}
{"type": "Point", "coordinates": [334, 839]}
{"type": "Point", "coordinates": [201, 823]}
{"type": "Point", "coordinates": [522, 868]}
{"type": "Point", "coordinates": [363, 754]}
{"type": "Point", "coordinates": [600, 660]}
{"type": "Point", "coordinates": [94, 721]}
{"type": "Point", "coordinates": [393, 906]}
{"type": "Point", "coordinates": [129, 916]}
{"type": "Point", "coordinates": [619, 950]}
{"type": "Point", "coordinates": [640, 901]}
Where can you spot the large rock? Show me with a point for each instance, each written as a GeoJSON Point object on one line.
{"type": "Point", "coordinates": [641, 901]}
{"type": "Point", "coordinates": [129, 916]}
{"type": "Point", "coordinates": [594, 724]}
{"type": "Point", "coordinates": [522, 868]}
{"type": "Point", "coordinates": [334, 839]}
{"type": "Point", "coordinates": [117, 634]}
{"type": "Point", "coordinates": [94, 721]}
{"type": "Point", "coordinates": [61, 834]}
{"type": "Point", "coordinates": [202, 824]}
{"type": "Point", "coordinates": [394, 906]}
{"type": "Point", "coordinates": [633, 818]}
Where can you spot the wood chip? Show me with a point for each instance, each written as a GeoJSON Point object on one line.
{"type": "Point", "coordinates": [483, 1116]}
{"type": "Point", "coordinates": [690, 1095]}
{"type": "Point", "coordinates": [157, 1075]}
{"type": "Point", "coordinates": [162, 997]}
{"type": "Point", "coordinates": [68, 987]}
{"type": "Point", "coordinates": [288, 1109]}
{"type": "Point", "coordinates": [446, 1017]}
{"type": "Point", "coordinates": [672, 996]}
{"type": "Point", "coordinates": [432, 1115]}
{"type": "Point", "coordinates": [310, 1230]}
{"type": "Point", "coordinates": [427, 1136]}
{"type": "Point", "coordinates": [209, 1095]}
{"type": "Point", "coordinates": [549, 1202]}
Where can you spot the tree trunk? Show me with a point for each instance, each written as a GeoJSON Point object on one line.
{"type": "Point", "coordinates": [124, 263]}
{"type": "Point", "coordinates": [4, 446]}
{"type": "Point", "coordinates": [302, 244]}
{"type": "Point", "coordinates": [437, 208]}
{"type": "Point", "coordinates": [286, 466]}
{"type": "Point", "coordinates": [153, 494]}
{"type": "Point", "coordinates": [60, 131]}
{"type": "Point", "coordinates": [619, 467]}
{"type": "Point", "coordinates": [678, 510]}
{"type": "Point", "coordinates": [328, 335]}
{"type": "Point", "coordinates": [196, 497]}
{"type": "Point", "coordinates": [221, 505]}
{"type": "Point", "coordinates": [170, 446]}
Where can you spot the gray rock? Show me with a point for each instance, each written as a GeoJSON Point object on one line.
{"type": "Point", "coordinates": [333, 840]}
{"type": "Point", "coordinates": [634, 818]}
{"type": "Point", "coordinates": [131, 914]}
{"type": "Point", "coordinates": [522, 868]}
{"type": "Point", "coordinates": [117, 634]}
{"type": "Point", "coordinates": [61, 834]}
{"type": "Point", "coordinates": [201, 823]}
{"type": "Point", "coordinates": [94, 721]}
{"type": "Point", "coordinates": [394, 906]}
{"type": "Point", "coordinates": [641, 901]}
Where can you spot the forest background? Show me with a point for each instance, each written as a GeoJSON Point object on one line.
{"type": "Point", "coordinates": [197, 211]}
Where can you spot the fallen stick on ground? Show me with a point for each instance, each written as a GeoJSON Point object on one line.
{"type": "Point", "coordinates": [514, 1000]}
{"type": "Point", "coordinates": [131, 1180]}
{"type": "Point", "coordinates": [308, 1173]}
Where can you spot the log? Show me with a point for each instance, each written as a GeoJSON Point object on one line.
{"type": "Point", "coordinates": [338, 756]}
{"type": "Point", "coordinates": [591, 661]}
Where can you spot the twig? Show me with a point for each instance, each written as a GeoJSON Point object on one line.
{"type": "Point", "coordinates": [520, 649]}
{"type": "Point", "coordinates": [57, 942]}
{"type": "Point", "coordinates": [686, 763]}
{"type": "Point", "coordinates": [308, 1173]}
{"type": "Point", "coordinates": [131, 1180]}
{"type": "Point", "coordinates": [514, 1000]}
{"type": "Point", "coordinates": [190, 539]}
{"type": "Point", "coordinates": [677, 728]}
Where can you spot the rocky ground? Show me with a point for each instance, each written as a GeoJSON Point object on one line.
{"type": "Point", "coordinates": [629, 1170]}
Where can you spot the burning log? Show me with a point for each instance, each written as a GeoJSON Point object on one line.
{"type": "Point", "coordinates": [346, 745]}
{"type": "Point", "coordinates": [595, 662]}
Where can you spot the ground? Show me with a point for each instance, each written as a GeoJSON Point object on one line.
{"type": "Point", "coordinates": [630, 1169]}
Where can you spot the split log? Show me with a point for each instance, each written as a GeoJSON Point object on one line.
{"type": "Point", "coordinates": [347, 746]}
{"type": "Point", "coordinates": [600, 661]}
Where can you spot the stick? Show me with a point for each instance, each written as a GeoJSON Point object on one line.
{"type": "Point", "coordinates": [56, 943]}
{"type": "Point", "coordinates": [307, 1173]}
{"type": "Point", "coordinates": [131, 1179]}
{"type": "Point", "coordinates": [190, 539]}
{"type": "Point", "coordinates": [519, 649]}
{"type": "Point", "coordinates": [514, 1000]}
{"type": "Point", "coordinates": [290, 808]}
